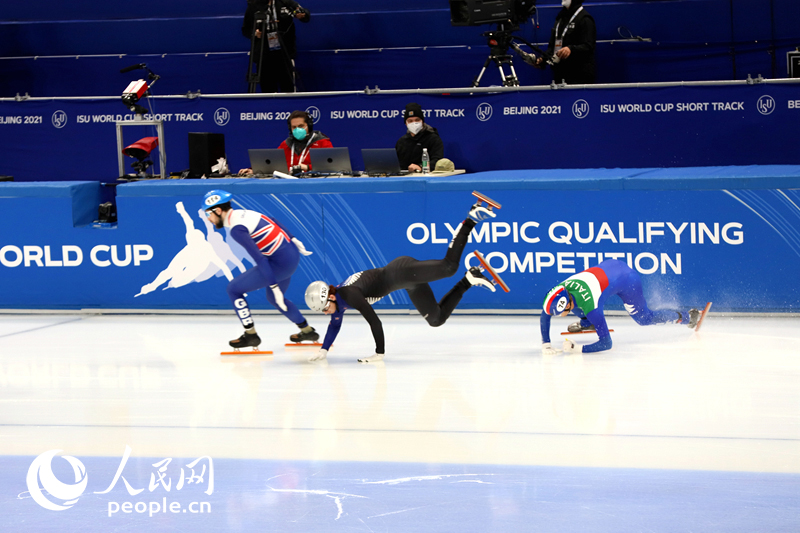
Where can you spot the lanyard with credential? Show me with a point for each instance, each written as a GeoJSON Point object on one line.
{"type": "Point", "coordinates": [567, 26]}
{"type": "Point", "coordinates": [305, 150]}
{"type": "Point", "coordinates": [274, 19]}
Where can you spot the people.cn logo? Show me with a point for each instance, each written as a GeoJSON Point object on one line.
{"type": "Point", "coordinates": [222, 116]}
{"type": "Point", "coordinates": [765, 104]}
{"type": "Point", "coordinates": [59, 119]}
{"type": "Point", "coordinates": [580, 109]}
{"type": "Point", "coordinates": [41, 472]}
{"type": "Point", "coordinates": [314, 113]}
{"type": "Point", "coordinates": [484, 112]}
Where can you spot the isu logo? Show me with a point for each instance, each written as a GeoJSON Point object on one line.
{"type": "Point", "coordinates": [766, 105]}
{"type": "Point", "coordinates": [59, 119]}
{"type": "Point", "coordinates": [222, 116]}
{"type": "Point", "coordinates": [41, 471]}
{"type": "Point", "coordinates": [315, 113]}
{"type": "Point", "coordinates": [484, 112]}
{"type": "Point", "coordinates": [580, 109]}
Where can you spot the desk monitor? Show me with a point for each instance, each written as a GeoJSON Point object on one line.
{"type": "Point", "coordinates": [381, 161]}
{"type": "Point", "coordinates": [334, 160]}
{"type": "Point", "coordinates": [267, 160]}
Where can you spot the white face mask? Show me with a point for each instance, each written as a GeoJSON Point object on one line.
{"type": "Point", "coordinates": [414, 127]}
{"type": "Point", "coordinates": [566, 3]}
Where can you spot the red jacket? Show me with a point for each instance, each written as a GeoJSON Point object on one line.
{"type": "Point", "coordinates": [319, 140]}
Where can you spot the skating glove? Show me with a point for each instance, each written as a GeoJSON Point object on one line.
{"type": "Point", "coordinates": [548, 350]}
{"type": "Point", "coordinates": [278, 294]}
{"type": "Point", "coordinates": [300, 247]}
{"type": "Point", "coordinates": [321, 355]}
{"type": "Point", "coordinates": [571, 347]}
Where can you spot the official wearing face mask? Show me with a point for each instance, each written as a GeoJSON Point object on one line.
{"type": "Point", "coordinates": [572, 42]}
{"type": "Point", "coordinates": [419, 135]}
{"type": "Point", "coordinates": [301, 139]}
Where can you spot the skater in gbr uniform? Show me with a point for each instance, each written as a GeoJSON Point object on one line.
{"type": "Point", "coordinates": [585, 294]}
{"type": "Point", "coordinates": [276, 254]}
{"type": "Point", "coordinates": [362, 289]}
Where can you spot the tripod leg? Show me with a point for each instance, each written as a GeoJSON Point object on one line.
{"type": "Point", "coordinates": [477, 81]}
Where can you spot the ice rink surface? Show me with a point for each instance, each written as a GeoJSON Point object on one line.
{"type": "Point", "coordinates": [463, 428]}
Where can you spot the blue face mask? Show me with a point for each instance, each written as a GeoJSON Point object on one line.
{"type": "Point", "coordinates": [299, 133]}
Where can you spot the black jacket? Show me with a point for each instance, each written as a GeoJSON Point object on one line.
{"type": "Point", "coordinates": [409, 149]}
{"type": "Point", "coordinates": [286, 20]}
{"type": "Point", "coordinates": [580, 37]}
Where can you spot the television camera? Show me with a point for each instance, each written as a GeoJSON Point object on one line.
{"type": "Point", "coordinates": [138, 89]}
{"type": "Point", "coordinates": [508, 15]}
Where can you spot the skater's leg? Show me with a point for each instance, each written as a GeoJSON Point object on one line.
{"type": "Point", "coordinates": [250, 281]}
{"type": "Point", "coordinates": [292, 313]}
{"type": "Point", "coordinates": [437, 313]}
{"type": "Point", "coordinates": [633, 299]}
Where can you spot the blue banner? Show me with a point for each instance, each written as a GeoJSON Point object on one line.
{"type": "Point", "coordinates": [596, 128]}
{"type": "Point", "coordinates": [731, 246]}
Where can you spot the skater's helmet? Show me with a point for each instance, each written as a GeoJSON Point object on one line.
{"type": "Point", "coordinates": [556, 301]}
{"type": "Point", "coordinates": [215, 198]}
{"type": "Point", "coordinates": [317, 296]}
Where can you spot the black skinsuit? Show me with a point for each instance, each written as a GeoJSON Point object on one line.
{"type": "Point", "coordinates": [365, 288]}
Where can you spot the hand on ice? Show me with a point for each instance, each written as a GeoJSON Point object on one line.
{"type": "Point", "coordinates": [300, 247]}
{"type": "Point", "coordinates": [276, 291]}
{"type": "Point", "coordinates": [548, 350]}
{"type": "Point", "coordinates": [321, 355]}
{"type": "Point", "coordinates": [571, 347]}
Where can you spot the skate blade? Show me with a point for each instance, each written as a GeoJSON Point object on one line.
{"type": "Point", "coordinates": [490, 270]}
{"type": "Point", "coordinates": [582, 332]}
{"type": "Point", "coordinates": [483, 198]}
{"type": "Point", "coordinates": [702, 316]}
{"type": "Point", "coordinates": [304, 345]}
{"type": "Point", "coordinates": [246, 352]}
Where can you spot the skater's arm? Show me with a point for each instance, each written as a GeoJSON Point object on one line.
{"type": "Point", "coordinates": [544, 325]}
{"type": "Point", "coordinates": [355, 299]}
{"type": "Point", "coordinates": [333, 329]}
{"type": "Point", "coordinates": [242, 236]}
{"type": "Point", "coordinates": [598, 320]}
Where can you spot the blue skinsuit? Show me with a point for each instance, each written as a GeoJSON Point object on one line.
{"type": "Point", "coordinates": [625, 283]}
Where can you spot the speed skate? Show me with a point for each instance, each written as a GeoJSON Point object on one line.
{"type": "Point", "coordinates": [485, 264]}
{"type": "Point", "coordinates": [254, 351]}
{"type": "Point", "coordinates": [483, 198]}
{"type": "Point", "coordinates": [702, 316]}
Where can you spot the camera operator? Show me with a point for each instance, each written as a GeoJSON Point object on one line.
{"type": "Point", "coordinates": [572, 43]}
{"type": "Point", "coordinates": [301, 139]}
{"type": "Point", "coordinates": [419, 135]}
{"type": "Point", "coordinates": [276, 37]}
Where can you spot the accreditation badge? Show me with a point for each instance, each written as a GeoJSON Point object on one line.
{"type": "Point", "coordinates": [274, 42]}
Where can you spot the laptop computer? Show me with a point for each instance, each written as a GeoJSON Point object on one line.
{"type": "Point", "coordinates": [333, 160]}
{"type": "Point", "coordinates": [265, 161]}
{"type": "Point", "coordinates": [381, 161]}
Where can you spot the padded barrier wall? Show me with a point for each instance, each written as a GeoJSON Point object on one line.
{"type": "Point", "coordinates": [723, 234]}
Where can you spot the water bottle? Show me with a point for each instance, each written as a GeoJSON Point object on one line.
{"type": "Point", "coordinates": [426, 161]}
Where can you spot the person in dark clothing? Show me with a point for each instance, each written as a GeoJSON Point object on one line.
{"type": "Point", "coordinates": [278, 41]}
{"type": "Point", "coordinates": [362, 289]}
{"type": "Point", "coordinates": [420, 135]}
{"type": "Point", "coordinates": [572, 43]}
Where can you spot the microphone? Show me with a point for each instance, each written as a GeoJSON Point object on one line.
{"type": "Point", "coordinates": [133, 67]}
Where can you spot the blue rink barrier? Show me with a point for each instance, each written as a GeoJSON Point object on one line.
{"type": "Point", "coordinates": [626, 126]}
{"type": "Point", "coordinates": [723, 234]}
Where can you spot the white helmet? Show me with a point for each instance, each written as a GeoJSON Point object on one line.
{"type": "Point", "coordinates": [317, 296]}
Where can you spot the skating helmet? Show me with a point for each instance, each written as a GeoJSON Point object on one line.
{"type": "Point", "coordinates": [556, 301]}
{"type": "Point", "coordinates": [214, 198]}
{"type": "Point", "coordinates": [317, 296]}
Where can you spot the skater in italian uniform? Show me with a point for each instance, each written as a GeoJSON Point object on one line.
{"type": "Point", "coordinates": [362, 289]}
{"type": "Point", "coordinates": [276, 254]}
{"type": "Point", "coordinates": [585, 294]}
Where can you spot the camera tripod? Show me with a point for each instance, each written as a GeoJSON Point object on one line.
{"type": "Point", "coordinates": [257, 50]}
{"type": "Point", "coordinates": [499, 42]}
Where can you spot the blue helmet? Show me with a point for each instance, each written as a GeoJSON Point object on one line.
{"type": "Point", "coordinates": [215, 198]}
{"type": "Point", "coordinates": [556, 301]}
